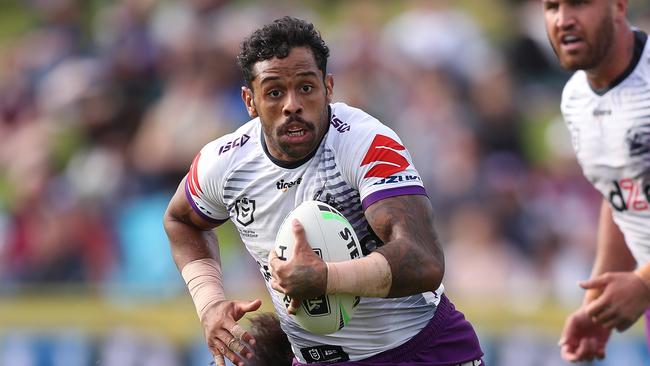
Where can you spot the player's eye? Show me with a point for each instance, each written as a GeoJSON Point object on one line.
{"type": "Point", "coordinates": [306, 88]}
{"type": "Point", "coordinates": [550, 5]}
{"type": "Point", "coordinates": [274, 93]}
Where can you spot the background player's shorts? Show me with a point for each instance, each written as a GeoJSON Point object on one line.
{"type": "Point", "coordinates": [448, 340]}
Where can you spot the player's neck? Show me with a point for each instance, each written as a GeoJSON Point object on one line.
{"type": "Point", "coordinates": [615, 62]}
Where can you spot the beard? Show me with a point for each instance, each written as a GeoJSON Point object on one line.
{"type": "Point", "coordinates": [595, 52]}
{"type": "Point", "coordinates": [296, 151]}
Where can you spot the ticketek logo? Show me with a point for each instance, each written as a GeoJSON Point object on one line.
{"type": "Point", "coordinates": [383, 151]}
{"type": "Point", "coordinates": [284, 186]}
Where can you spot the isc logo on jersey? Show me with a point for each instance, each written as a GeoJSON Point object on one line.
{"type": "Point", "coordinates": [331, 237]}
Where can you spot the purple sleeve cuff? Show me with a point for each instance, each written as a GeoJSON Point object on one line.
{"type": "Point", "coordinates": [392, 192]}
{"type": "Point", "coordinates": [197, 210]}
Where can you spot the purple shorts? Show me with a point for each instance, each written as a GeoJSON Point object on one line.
{"type": "Point", "coordinates": [448, 340]}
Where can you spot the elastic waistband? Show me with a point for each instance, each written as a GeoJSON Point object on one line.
{"type": "Point", "coordinates": [430, 331]}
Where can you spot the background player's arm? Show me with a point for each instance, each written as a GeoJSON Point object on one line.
{"type": "Point", "coordinates": [612, 253]}
{"type": "Point", "coordinates": [616, 296]}
{"type": "Point", "coordinates": [405, 225]}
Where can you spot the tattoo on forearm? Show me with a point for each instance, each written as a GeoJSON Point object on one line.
{"type": "Point", "coordinates": [407, 225]}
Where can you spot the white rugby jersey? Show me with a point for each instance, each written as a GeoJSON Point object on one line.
{"type": "Point", "coordinates": [358, 162]}
{"type": "Point", "coordinates": [610, 132]}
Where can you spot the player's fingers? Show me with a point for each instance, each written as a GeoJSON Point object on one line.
{"type": "Point", "coordinates": [227, 346]}
{"type": "Point", "coordinates": [608, 314]}
{"type": "Point", "coordinates": [276, 286]}
{"type": "Point", "coordinates": [567, 351]}
{"type": "Point", "coordinates": [596, 282]}
{"type": "Point", "coordinates": [237, 347]}
{"type": "Point", "coordinates": [293, 306]}
{"type": "Point", "coordinates": [272, 260]}
{"type": "Point", "coordinates": [578, 352]}
{"type": "Point", "coordinates": [597, 307]}
{"type": "Point", "coordinates": [622, 324]}
{"type": "Point", "coordinates": [586, 350]}
{"type": "Point", "coordinates": [568, 332]}
{"type": "Point", "coordinates": [219, 361]}
{"type": "Point", "coordinates": [218, 349]}
{"type": "Point", "coordinates": [243, 307]}
{"type": "Point", "coordinates": [600, 352]}
{"type": "Point", "coordinates": [240, 333]}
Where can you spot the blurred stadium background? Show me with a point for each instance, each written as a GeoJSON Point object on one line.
{"type": "Point", "coordinates": [103, 104]}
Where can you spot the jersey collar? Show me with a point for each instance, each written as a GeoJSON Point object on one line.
{"type": "Point", "coordinates": [640, 39]}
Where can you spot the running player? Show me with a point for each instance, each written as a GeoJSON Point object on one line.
{"type": "Point", "coordinates": [299, 146]}
{"type": "Point", "coordinates": [606, 106]}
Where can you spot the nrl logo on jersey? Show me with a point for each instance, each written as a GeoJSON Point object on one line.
{"type": "Point", "coordinates": [245, 209]}
{"type": "Point", "coordinates": [638, 140]}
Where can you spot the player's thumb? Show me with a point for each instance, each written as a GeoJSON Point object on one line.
{"type": "Point", "coordinates": [596, 282]}
{"type": "Point", "coordinates": [300, 240]}
{"type": "Point", "coordinates": [250, 305]}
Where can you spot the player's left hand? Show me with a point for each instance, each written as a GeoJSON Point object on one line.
{"type": "Point", "coordinates": [623, 300]}
{"type": "Point", "coordinates": [304, 276]}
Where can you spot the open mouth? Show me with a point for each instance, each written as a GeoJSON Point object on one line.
{"type": "Point", "coordinates": [570, 41]}
{"type": "Point", "coordinates": [296, 132]}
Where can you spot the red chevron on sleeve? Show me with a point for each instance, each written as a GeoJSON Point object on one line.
{"type": "Point", "coordinates": [193, 177]}
{"type": "Point", "coordinates": [383, 152]}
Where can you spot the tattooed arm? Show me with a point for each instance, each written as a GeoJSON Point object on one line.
{"type": "Point", "coordinates": [410, 261]}
{"type": "Point", "coordinates": [405, 225]}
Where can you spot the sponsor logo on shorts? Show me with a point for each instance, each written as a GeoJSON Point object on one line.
{"type": "Point", "coordinates": [324, 353]}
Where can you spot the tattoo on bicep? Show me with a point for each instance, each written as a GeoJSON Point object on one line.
{"type": "Point", "coordinates": [407, 226]}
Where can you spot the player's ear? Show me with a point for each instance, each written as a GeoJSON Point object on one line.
{"type": "Point", "coordinates": [620, 9]}
{"type": "Point", "coordinates": [249, 101]}
{"type": "Point", "coordinates": [329, 87]}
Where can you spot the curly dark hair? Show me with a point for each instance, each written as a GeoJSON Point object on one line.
{"type": "Point", "coordinates": [272, 347]}
{"type": "Point", "coordinates": [276, 40]}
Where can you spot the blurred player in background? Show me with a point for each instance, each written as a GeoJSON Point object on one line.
{"type": "Point", "coordinates": [272, 347]}
{"type": "Point", "coordinates": [606, 106]}
{"type": "Point", "coordinates": [299, 146]}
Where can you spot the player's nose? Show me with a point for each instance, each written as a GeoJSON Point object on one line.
{"type": "Point", "coordinates": [292, 105]}
{"type": "Point", "coordinates": [565, 18]}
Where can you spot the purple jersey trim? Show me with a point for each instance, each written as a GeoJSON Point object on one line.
{"type": "Point", "coordinates": [197, 210]}
{"type": "Point", "coordinates": [392, 192]}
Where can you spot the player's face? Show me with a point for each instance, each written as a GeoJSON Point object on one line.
{"type": "Point", "coordinates": [291, 97]}
{"type": "Point", "coordinates": [580, 31]}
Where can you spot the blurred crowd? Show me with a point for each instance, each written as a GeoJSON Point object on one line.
{"type": "Point", "coordinates": [103, 105]}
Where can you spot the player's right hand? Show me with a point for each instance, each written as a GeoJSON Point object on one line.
{"type": "Point", "coordinates": [304, 276]}
{"type": "Point", "coordinates": [224, 336]}
{"type": "Point", "coordinates": [582, 339]}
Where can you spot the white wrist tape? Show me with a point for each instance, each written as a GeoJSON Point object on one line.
{"type": "Point", "coordinates": [203, 279]}
{"type": "Point", "coordinates": [369, 276]}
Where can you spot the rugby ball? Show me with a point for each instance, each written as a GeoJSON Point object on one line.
{"type": "Point", "coordinates": [331, 237]}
